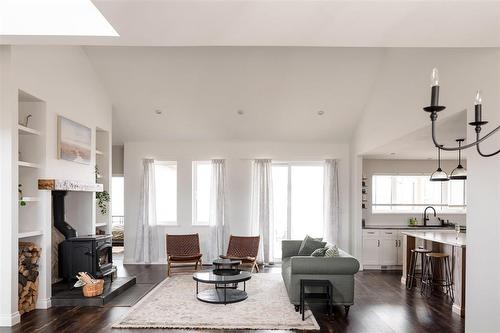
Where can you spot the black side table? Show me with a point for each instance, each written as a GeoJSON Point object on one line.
{"type": "Point", "coordinates": [326, 295]}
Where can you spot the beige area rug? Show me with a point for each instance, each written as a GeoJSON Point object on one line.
{"type": "Point", "coordinates": [173, 304]}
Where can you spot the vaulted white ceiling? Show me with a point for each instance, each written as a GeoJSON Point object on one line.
{"type": "Point", "coordinates": [200, 90]}
{"type": "Point", "coordinates": [418, 144]}
{"type": "Point", "coordinates": [373, 23]}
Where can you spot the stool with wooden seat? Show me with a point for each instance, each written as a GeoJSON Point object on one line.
{"type": "Point", "coordinates": [412, 274]}
{"type": "Point", "coordinates": [433, 278]}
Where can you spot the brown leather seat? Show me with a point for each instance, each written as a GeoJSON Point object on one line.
{"type": "Point", "coordinates": [245, 249]}
{"type": "Point", "coordinates": [183, 249]}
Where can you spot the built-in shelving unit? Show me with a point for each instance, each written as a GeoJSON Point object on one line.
{"type": "Point", "coordinates": [32, 223]}
{"type": "Point", "coordinates": [28, 164]}
{"type": "Point", "coordinates": [28, 234]}
{"type": "Point", "coordinates": [103, 176]}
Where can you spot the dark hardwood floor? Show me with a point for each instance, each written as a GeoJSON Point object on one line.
{"type": "Point", "coordinates": [382, 304]}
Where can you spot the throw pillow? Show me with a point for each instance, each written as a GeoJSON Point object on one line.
{"type": "Point", "coordinates": [308, 246]}
{"type": "Point", "coordinates": [319, 252]}
{"type": "Point", "coordinates": [332, 251]}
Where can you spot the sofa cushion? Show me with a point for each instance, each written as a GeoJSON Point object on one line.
{"type": "Point", "coordinates": [319, 252]}
{"type": "Point", "coordinates": [332, 251]}
{"type": "Point", "coordinates": [308, 246]}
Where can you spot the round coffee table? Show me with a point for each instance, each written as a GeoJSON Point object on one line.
{"type": "Point", "coordinates": [223, 278]}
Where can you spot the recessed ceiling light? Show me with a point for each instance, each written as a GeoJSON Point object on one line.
{"type": "Point", "coordinates": [321, 112]}
{"type": "Point", "coordinates": [158, 112]}
{"type": "Point", "coordinates": [240, 112]}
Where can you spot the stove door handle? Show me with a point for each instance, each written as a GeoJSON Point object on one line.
{"type": "Point", "coordinates": [89, 254]}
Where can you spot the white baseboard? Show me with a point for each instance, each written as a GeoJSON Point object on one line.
{"type": "Point", "coordinates": [43, 303]}
{"type": "Point", "coordinates": [10, 320]}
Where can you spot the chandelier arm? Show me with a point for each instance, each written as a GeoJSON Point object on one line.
{"type": "Point", "coordinates": [483, 154]}
{"type": "Point", "coordinates": [475, 143]}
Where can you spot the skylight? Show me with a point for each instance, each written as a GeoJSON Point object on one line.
{"type": "Point", "coordinates": [53, 18]}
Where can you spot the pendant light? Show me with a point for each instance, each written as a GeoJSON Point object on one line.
{"type": "Point", "coordinates": [459, 172]}
{"type": "Point", "coordinates": [439, 175]}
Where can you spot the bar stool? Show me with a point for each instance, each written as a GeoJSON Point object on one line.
{"type": "Point", "coordinates": [411, 276]}
{"type": "Point", "coordinates": [434, 261]}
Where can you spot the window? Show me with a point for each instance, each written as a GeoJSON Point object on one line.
{"type": "Point", "coordinates": [202, 175]}
{"type": "Point", "coordinates": [166, 192]}
{"type": "Point", "coordinates": [117, 200]}
{"type": "Point", "coordinates": [297, 201]}
{"type": "Point", "coordinates": [411, 193]}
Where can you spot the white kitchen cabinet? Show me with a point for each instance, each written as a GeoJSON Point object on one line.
{"type": "Point", "coordinates": [388, 252]}
{"type": "Point", "coordinates": [371, 251]}
{"type": "Point", "coordinates": [399, 247]}
{"type": "Point", "coordinates": [382, 248]}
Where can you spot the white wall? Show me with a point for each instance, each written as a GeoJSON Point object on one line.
{"type": "Point", "coordinates": [482, 306]}
{"type": "Point", "coordinates": [66, 81]}
{"type": "Point", "coordinates": [371, 167]}
{"type": "Point", "coordinates": [8, 191]}
{"type": "Point", "coordinates": [117, 161]}
{"type": "Point", "coordinates": [238, 156]}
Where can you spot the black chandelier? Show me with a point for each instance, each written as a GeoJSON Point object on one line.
{"type": "Point", "coordinates": [434, 108]}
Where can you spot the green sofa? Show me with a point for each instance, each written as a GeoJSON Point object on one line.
{"type": "Point", "coordinates": [339, 270]}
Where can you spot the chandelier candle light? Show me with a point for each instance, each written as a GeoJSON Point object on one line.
{"type": "Point", "coordinates": [478, 122]}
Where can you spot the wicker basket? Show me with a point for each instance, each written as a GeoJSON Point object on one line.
{"type": "Point", "coordinates": [92, 290]}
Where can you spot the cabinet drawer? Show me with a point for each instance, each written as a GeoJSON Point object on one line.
{"type": "Point", "coordinates": [369, 233]}
{"type": "Point", "coordinates": [389, 234]}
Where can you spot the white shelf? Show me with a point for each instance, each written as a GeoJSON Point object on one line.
{"type": "Point", "coordinates": [100, 225]}
{"type": "Point", "coordinates": [28, 131]}
{"type": "Point", "coordinates": [28, 164]}
{"type": "Point", "coordinates": [98, 152]}
{"type": "Point", "coordinates": [30, 199]}
{"type": "Point", "coordinates": [29, 234]}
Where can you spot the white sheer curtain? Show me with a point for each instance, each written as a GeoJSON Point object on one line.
{"type": "Point", "coordinates": [218, 228]}
{"type": "Point", "coordinates": [262, 220]}
{"type": "Point", "coordinates": [331, 214]}
{"type": "Point", "coordinates": [146, 242]}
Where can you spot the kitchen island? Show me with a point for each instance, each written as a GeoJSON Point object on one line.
{"type": "Point", "coordinates": [445, 241]}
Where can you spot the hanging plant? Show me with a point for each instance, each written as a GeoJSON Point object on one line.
{"type": "Point", "coordinates": [103, 199]}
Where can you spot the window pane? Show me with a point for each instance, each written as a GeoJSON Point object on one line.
{"type": "Point", "coordinates": [381, 189]}
{"type": "Point", "coordinates": [201, 192]}
{"type": "Point", "coordinates": [410, 193]}
{"type": "Point", "coordinates": [456, 192]}
{"type": "Point", "coordinates": [117, 199]}
{"type": "Point", "coordinates": [280, 206]}
{"type": "Point", "coordinates": [404, 189]}
{"type": "Point", "coordinates": [166, 192]}
{"type": "Point", "coordinates": [306, 201]}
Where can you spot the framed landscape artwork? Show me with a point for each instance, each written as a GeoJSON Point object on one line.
{"type": "Point", "coordinates": [73, 141]}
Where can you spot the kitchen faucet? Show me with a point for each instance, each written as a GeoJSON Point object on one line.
{"type": "Point", "coordinates": [425, 214]}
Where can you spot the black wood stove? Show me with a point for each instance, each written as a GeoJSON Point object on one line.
{"type": "Point", "coordinates": [91, 253]}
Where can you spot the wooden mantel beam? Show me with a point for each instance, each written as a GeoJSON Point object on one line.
{"type": "Point", "coordinates": [68, 185]}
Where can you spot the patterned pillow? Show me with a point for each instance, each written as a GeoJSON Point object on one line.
{"type": "Point", "coordinates": [308, 246]}
{"type": "Point", "coordinates": [319, 252]}
{"type": "Point", "coordinates": [332, 251]}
